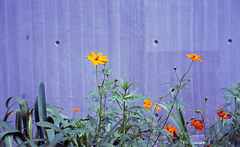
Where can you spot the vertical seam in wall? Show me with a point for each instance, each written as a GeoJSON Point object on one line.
{"type": "Point", "coordinates": [6, 29]}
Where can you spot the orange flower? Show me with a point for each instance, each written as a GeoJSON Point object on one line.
{"type": "Point", "coordinates": [220, 108]}
{"type": "Point", "coordinates": [194, 57]}
{"type": "Point", "coordinates": [99, 59]}
{"type": "Point", "coordinates": [158, 108]}
{"type": "Point", "coordinates": [76, 110]}
{"type": "Point", "coordinates": [222, 114]}
{"type": "Point", "coordinates": [147, 104]}
{"type": "Point", "coordinates": [216, 118]}
{"type": "Point", "coordinates": [198, 124]}
{"type": "Point", "coordinates": [172, 130]}
{"type": "Point", "coordinates": [11, 113]}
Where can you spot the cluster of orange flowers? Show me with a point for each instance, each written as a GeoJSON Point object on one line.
{"type": "Point", "coordinates": [147, 105]}
{"type": "Point", "coordinates": [198, 124]}
{"type": "Point", "coordinates": [222, 114]}
{"type": "Point", "coordinates": [172, 130]}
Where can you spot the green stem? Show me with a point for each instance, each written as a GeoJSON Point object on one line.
{"type": "Point", "coordinates": [124, 113]}
{"type": "Point", "coordinates": [153, 117]}
{"type": "Point", "coordinates": [175, 98]}
{"type": "Point", "coordinates": [100, 110]}
{"type": "Point", "coordinates": [220, 130]}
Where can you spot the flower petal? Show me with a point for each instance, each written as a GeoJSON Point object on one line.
{"type": "Point", "coordinates": [189, 56]}
{"type": "Point", "coordinates": [99, 55]}
{"type": "Point", "coordinates": [92, 54]}
{"type": "Point", "coordinates": [95, 62]}
{"type": "Point", "coordinates": [90, 58]}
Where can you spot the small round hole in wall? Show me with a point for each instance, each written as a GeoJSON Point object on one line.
{"type": "Point", "coordinates": [57, 43]}
{"type": "Point", "coordinates": [155, 42]}
{"type": "Point", "coordinates": [229, 41]}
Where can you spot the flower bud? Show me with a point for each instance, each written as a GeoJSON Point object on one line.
{"type": "Point", "coordinates": [206, 98]}
{"type": "Point", "coordinates": [173, 89]}
{"type": "Point", "coordinates": [107, 74]}
{"type": "Point", "coordinates": [198, 111]}
{"type": "Point", "coordinates": [189, 80]}
{"type": "Point", "coordinates": [99, 86]}
{"type": "Point", "coordinates": [175, 68]}
{"type": "Point", "coordinates": [193, 118]}
{"type": "Point", "coordinates": [115, 80]}
{"type": "Point", "coordinates": [187, 122]}
{"type": "Point", "coordinates": [109, 86]}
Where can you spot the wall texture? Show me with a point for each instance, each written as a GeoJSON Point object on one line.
{"type": "Point", "coordinates": [125, 31]}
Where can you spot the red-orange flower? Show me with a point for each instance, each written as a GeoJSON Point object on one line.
{"type": "Point", "coordinates": [172, 130]}
{"type": "Point", "coordinates": [147, 104]}
{"type": "Point", "coordinates": [99, 59]}
{"type": "Point", "coordinates": [222, 114]}
{"type": "Point", "coordinates": [76, 110]}
{"type": "Point", "coordinates": [194, 57]}
{"type": "Point", "coordinates": [198, 124]}
{"type": "Point", "coordinates": [220, 108]}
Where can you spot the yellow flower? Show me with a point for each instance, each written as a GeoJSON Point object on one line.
{"type": "Point", "coordinates": [194, 57]}
{"type": "Point", "coordinates": [158, 108]}
{"type": "Point", "coordinates": [99, 59]}
{"type": "Point", "coordinates": [76, 110]}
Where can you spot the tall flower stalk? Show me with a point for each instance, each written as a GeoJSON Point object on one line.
{"type": "Point", "coordinates": [98, 59]}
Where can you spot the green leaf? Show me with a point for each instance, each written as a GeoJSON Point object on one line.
{"type": "Point", "coordinates": [52, 126]}
{"type": "Point", "coordinates": [8, 140]}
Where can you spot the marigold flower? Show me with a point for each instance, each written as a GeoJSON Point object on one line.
{"type": "Point", "coordinates": [99, 59]}
{"type": "Point", "coordinates": [158, 108]}
{"type": "Point", "coordinates": [147, 104]}
{"type": "Point", "coordinates": [172, 130]}
{"type": "Point", "coordinates": [220, 108]}
{"type": "Point", "coordinates": [194, 57]}
{"type": "Point", "coordinates": [216, 118]}
{"type": "Point", "coordinates": [76, 110]}
{"type": "Point", "coordinates": [198, 124]}
{"type": "Point", "coordinates": [222, 114]}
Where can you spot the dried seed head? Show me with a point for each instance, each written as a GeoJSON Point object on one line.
{"type": "Point", "coordinates": [175, 68]}
{"type": "Point", "coordinates": [173, 89]}
{"type": "Point", "coordinates": [193, 118]}
{"type": "Point", "coordinates": [115, 80]}
{"type": "Point", "coordinates": [187, 122]}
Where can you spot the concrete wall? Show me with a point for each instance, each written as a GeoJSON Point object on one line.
{"type": "Point", "coordinates": [125, 31]}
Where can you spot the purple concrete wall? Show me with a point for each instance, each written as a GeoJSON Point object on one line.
{"type": "Point", "coordinates": [125, 31]}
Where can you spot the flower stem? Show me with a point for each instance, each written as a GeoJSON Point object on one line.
{"type": "Point", "coordinates": [100, 110]}
{"type": "Point", "coordinates": [175, 99]}
{"type": "Point", "coordinates": [153, 117]}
